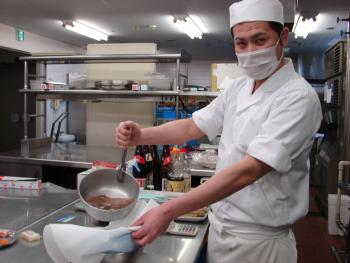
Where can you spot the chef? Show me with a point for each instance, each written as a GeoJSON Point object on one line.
{"type": "Point", "coordinates": [267, 120]}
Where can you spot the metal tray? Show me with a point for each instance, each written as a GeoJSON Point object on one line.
{"type": "Point", "coordinates": [192, 218]}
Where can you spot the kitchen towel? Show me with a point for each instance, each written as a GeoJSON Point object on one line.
{"type": "Point", "coordinates": [77, 244]}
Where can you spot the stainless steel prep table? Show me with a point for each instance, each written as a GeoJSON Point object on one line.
{"type": "Point", "coordinates": [68, 155]}
{"type": "Point", "coordinates": [20, 208]}
{"type": "Point", "coordinates": [78, 155]}
{"type": "Point", "coordinates": [166, 248]}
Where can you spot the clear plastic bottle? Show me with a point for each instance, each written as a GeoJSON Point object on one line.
{"type": "Point", "coordinates": [186, 174]}
{"type": "Point", "coordinates": [176, 182]}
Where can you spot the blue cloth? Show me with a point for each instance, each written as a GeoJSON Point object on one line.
{"type": "Point", "coordinates": [120, 241]}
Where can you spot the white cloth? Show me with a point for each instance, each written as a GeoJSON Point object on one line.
{"type": "Point", "coordinates": [256, 10]}
{"type": "Point", "coordinates": [77, 244]}
{"type": "Point", "coordinates": [276, 124]}
{"type": "Point", "coordinates": [85, 244]}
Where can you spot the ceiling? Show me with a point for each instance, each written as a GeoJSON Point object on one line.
{"type": "Point", "coordinates": [119, 17]}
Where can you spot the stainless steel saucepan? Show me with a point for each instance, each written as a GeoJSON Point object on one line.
{"type": "Point", "coordinates": [108, 182]}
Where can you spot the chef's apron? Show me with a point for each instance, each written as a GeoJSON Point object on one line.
{"type": "Point", "coordinates": [248, 243]}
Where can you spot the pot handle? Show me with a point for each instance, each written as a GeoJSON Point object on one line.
{"type": "Point", "coordinates": [122, 167]}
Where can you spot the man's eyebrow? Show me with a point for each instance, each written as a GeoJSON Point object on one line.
{"type": "Point", "coordinates": [260, 34]}
{"type": "Point", "coordinates": [239, 39]}
{"type": "Point", "coordinates": [257, 35]}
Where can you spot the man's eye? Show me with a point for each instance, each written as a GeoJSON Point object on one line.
{"type": "Point", "coordinates": [260, 41]}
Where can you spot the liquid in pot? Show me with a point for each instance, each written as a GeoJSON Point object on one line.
{"type": "Point", "coordinates": [109, 203]}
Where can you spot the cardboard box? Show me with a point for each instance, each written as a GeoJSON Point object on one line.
{"type": "Point", "coordinates": [7, 182]}
{"type": "Point", "coordinates": [222, 71]}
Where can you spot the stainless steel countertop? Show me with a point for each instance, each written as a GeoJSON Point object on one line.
{"type": "Point", "coordinates": [201, 172]}
{"type": "Point", "coordinates": [166, 248]}
{"type": "Point", "coordinates": [19, 208]}
{"type": "Point", "coordinates": [79, 156]}
{"type": "Point", "coordinates": [69, 155]}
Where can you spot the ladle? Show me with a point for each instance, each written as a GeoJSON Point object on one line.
{"type": "Point", "coordinates": [122, 167]}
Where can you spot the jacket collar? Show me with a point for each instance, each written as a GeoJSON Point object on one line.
{"type": "Point", "coordinates": [245, 98]}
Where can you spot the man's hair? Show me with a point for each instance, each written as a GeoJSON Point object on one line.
{"type": "Point", "coordinates": [277, 27]}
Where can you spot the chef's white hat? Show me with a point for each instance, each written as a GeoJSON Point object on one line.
{"type": "Point", "coordinates": [256, 10]}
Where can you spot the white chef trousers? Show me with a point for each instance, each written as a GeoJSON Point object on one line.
{"type": "Point", "coordinates": [251, 244]}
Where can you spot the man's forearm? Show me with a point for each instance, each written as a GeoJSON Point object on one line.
{"type": "Point", "coordinates": [223, 184]}
{"type": "Point", "coordinates": [175, 132]}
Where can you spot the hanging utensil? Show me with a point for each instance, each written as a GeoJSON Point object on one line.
{"type": "Point", "coordinates": [59, 119]}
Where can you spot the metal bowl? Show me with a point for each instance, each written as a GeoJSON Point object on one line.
{"type": "Point", "coordinates": [104, 182]}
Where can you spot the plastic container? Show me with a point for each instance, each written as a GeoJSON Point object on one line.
{"type": "Point", "coordinates": [159, 83]}
{"type": "Point", "coordinates": [206, 159]}
{"type": "Point", "coordinates": [169, 113]}
{"type": "Point", "coordinates": [35, 84]}
{"type": "Point", "coordinates": [46, 85]}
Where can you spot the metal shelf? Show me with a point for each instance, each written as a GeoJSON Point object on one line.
{"type": "Point", "coordinates": [124, 92]}
{"type": "Point", "coordinates": [199, 93]}
{"type": "Point", "coordinates": [102, 92]}
{"type": "Point", "coordinates": [182, 55]}
{"type": "Point", "coordinates": [100, 95]}
{"type": "Point", "coordinates": [116, 93]}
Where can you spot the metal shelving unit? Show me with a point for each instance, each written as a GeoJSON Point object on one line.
{"type": "Point", "coordinates": [87, 94]}
{"type": "Point", "coordinates": [332, 147]}
{"type": "Point", "coordinates": [94, 95]}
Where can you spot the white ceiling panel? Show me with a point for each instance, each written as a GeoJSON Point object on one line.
{"type": "Point", "coordinates": [119, 18]}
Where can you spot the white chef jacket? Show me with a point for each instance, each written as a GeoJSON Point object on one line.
{"type": "Point", "coordinates": [276, 124]}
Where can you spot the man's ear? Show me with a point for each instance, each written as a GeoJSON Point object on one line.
{"type": "Point", "coordinates": [284, 36]}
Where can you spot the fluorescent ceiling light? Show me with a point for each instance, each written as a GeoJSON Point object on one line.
{"type": "Point", "coordinates": [187, 25]}
{"type": "Point", "coordinates": [199, 23]}
{"type": "Point", "coordinates": [85, 30]}
{"type": "Point", "coordinates": [302, 26]}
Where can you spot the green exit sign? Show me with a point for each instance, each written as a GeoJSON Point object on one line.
{"type": "Point", "coordinates": [20, 34]}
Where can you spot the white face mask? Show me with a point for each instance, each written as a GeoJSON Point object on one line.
{"type": "Point", "coordinates": [259, 64]}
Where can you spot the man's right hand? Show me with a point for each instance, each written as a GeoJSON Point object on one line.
{"type": "Point", "coordinates": [127, 134]}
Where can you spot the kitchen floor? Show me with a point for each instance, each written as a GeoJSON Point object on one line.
{"type": "Point", "coordinates": [313, 241]}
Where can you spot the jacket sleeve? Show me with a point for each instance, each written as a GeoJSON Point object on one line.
{"type": "Point", "coordinates": [210, 119]}
{"type": "Point", "coordinates": [288, 131]}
